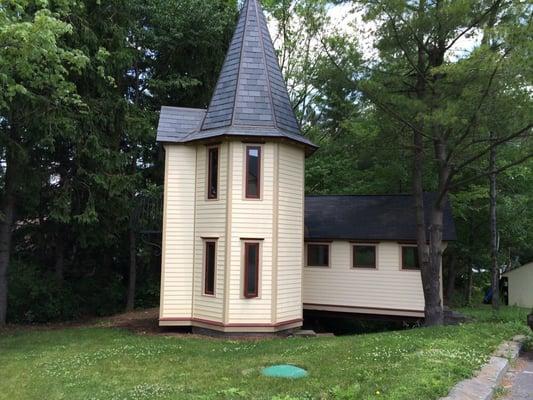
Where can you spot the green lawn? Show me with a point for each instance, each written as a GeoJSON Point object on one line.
{"type": "Point", "coordinates": [107, 363]}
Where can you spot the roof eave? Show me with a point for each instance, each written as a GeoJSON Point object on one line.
{"type": "Point", "coordinates": [309, 146]}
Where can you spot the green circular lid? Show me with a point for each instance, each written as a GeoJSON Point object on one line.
{"type": "Point", "coordinates": [284, 371]}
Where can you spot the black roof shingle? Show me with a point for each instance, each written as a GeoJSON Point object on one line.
{"type": "Point", "coordinates": [388, 217]}
{"type": "Point", "coordinates": [250, 98]}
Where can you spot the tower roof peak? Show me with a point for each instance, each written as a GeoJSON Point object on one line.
{"type": "Point", "coordinates": [250, 98]}
{"type": "Point", "coordinates": [251, 90]}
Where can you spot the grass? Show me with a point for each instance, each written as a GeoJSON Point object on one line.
{"type": "Point", "coordinates": [108, 363]}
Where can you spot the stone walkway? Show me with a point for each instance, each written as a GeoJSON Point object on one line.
{"type": "Point", "coordinates": [519, 380]}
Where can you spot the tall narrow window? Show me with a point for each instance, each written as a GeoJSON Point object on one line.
{"type": "Point", "coordinates": [251, 270]}
{"type": "Point", "coordinates": [212, 179]}
{"type": "Point", "coordinates": [210, 267]}
{"type": "Point", "coordinates": [253, 172]}
{"type": "Point", "coordinates": [410, 258]}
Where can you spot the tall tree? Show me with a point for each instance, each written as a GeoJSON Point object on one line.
{"type": "Point", "coordinates": [35, 67]}
{"type": "Point", "coordinates": [85, 137]}
{"type": "Point", "coordinates": [442, 97]}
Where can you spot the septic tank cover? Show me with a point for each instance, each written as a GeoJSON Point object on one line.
{"type": "Point", "coordinates": [284, 371]}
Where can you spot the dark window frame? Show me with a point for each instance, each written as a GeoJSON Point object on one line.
{"type": "Point", "coordinates": [248, 195]}
{"type": "Point", "coordinates": [327, 245]}
{"type": "Point", "coordinates": [354, 253]}
{"type": "Point", "coordinates": [402, 256]}
{"type": "Point", "coordinates": [210, 151]}
{"type": "Point", "coordinates": [246, 293]}
{"type": "Point", "coordinates": [210, 291]}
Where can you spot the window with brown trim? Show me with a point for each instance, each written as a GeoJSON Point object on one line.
{"type": "Point", "coordinates": [251, 270]}
{"type": "Point", "coordinates": [212, 174]}
{"type": "Point", "coordinates": [210, 267]}
{"type": "Point", "coordinates": [364, 256]}
{"type": "Point", "coordinates": [253, 172]}
{"type": "Point", "coordinates": [410, 258]}
{"type": "Point", "coordinates": [317, 255]}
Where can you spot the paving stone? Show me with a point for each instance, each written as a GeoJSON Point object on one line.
{"type": "Point", "coordinates": [305, 333]}
{"type": "Point", "coordinates": [520, 379]}
{"type": "Point", "coordinates": [483, 385]}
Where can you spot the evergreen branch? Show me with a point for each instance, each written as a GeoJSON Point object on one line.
{"type": "Point", "coordinates": [487, 173]}
{"type": "Point", "coordinates": [475, 23]}
{"type": "Point", "coordinates": [494, 144]}
{"type": "Point", "coordinates": [373, 99]}
{"type": "Point", "coordinates": [484, 96]}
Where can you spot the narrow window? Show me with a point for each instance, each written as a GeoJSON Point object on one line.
{"type": "Point", "coordinates": [410, 258]}
{"type": "Point", "coordinates": [253, 172]}
{"type": "Point", "coordinates": [318, 255]}
{"type": "Point", "coordinates": [210, 267]}
{"type": "Point", "coordinates": [364, 256]}
{"type": "Point", "coordinates": [212, 179]}
{"type": "Point", "coordinates": [251, 270]}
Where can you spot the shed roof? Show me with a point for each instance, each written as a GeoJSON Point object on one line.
{"type": "Point", "coordinates": [526, 265]}
{"type": "Point", "coordinates": [250, 98]}
{"type": "Point", "coordinates": [387, 217]}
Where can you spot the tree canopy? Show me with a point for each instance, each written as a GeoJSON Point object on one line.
{"type": "Point", "coordinates": [440, 87]}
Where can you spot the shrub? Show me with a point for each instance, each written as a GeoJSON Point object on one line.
{"type": "Point", "coordinates": [36, 296]}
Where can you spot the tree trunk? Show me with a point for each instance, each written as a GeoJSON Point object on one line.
{"type": "Point", "coordinates": [430, 277]}
{"type": "Point", "coordinates": [7, 221]}
{"type": "Point", "coordinates": [431, 309]}
{"type": "Point", "coordinates": [435, 315]}
{"type": "Point", "coordinates": [130, 305]}
{"type": "Point", "coordinates": [494, 231]}
{"type": "Point", "coordinates": [452, 274]}
{"type": "Point", "coordinates": [470, 264]}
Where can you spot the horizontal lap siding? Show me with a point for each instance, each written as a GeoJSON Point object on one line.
{"type": "Point", "coordinates": [290, 232]}
{"type": "Point", "coordinates": [387, 287]}
{"type": "Point", "coordinates": [251, 219]}
{"type": "Point", "coordinates": [178, 237]}
{"type": "Point", "coordinates": [210, 222]}
{"type": "Point", "coordinates": [521, 286]}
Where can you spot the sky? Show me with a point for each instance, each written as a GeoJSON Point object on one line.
{"type": "Point", "coordinates": [346, 20]}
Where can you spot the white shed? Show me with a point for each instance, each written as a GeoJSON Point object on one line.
{"type": "Point", "coordinates": [520, 285]}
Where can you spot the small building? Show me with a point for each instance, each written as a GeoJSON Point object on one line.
{"type": "Point", "coordinates": [233, 253]}
{"type": "Point", "coordinates": [361, 254]}
{"type": "Point", "coordinates": [520, 286]}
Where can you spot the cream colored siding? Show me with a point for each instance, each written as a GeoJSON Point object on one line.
{"type": "Point", "coordinates": [521, 286]}
{"type": "Point", "coordinates": [178, 235]}
{"type": "Point", "coordinates": [290, 232]}
{"type": "Point", "coordinates": [251, 218]}
{"type": "Point", "coordinates": [275, 221]}
{"type": "Point", "coordinates": [387, 287]}
{"type": "Point", "coordinates": [210, 223]}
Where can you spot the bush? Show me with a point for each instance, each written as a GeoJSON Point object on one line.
{"type": "Point", "coordinates": [35, 296]}
{"type": "Point", "coordinates": [147, 294]}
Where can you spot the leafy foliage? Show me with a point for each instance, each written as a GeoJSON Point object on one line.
{"type": "Point", "coordinates": [82, 83]}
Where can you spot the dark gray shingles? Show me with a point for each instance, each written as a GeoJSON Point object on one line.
{"type": "Point", "coordinates": [389, 217]}
{"type": "Point", "coordinates": [175, 123]}
{"type": "Point", "coordinates": [250, 98]}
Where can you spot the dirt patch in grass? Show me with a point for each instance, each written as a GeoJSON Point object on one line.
{"type": "Point", "coordinates": [138, 321]}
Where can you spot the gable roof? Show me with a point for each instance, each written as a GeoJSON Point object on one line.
{"type": "Point", "coordinates": [388, 217]}
{"type": "Point", "coordinates": [526, 265]}
{"type": "Point", "coordinates": [250, 98]}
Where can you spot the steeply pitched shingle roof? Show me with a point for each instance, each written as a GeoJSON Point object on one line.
{"type": "Point", "coordinates": [368, 218]}
{"type": "Point", "coordinates": [250, 98]}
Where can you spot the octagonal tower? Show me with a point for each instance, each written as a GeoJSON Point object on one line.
{"type": "Point", "coordinates": [233, 228]}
